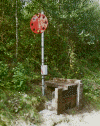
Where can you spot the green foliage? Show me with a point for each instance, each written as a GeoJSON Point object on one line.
{"type": "Point", "coordinates": [72, 50]}
{"type": "Point", "coordinates": [19, 105]}
{"type": "Point", "coordinates": [69, 30]}
{"type": "Point", "coordinates": [19, 77]}
{"type": "Point", "coordinates": [23, 76]}
{"type": "Point", "coordinates": [8, 29]}
{"type": "Point", "coordinates": [3, 70]}
{"type": "Point", "coordinates": [92, 85]}
{"type": "Point", "coordinates": [4, 75]}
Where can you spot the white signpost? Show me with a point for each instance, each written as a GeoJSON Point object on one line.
{"type": "Point", "coordinates": [43, 67]}
{"type": "Point", "coordinates": [38, 24]}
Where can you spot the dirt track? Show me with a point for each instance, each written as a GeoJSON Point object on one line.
{"type": "Point", "coordinates": [85, 117]}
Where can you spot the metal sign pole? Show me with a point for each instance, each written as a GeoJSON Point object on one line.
{"type": "Point", "coordinates": [38, 24]}
{"type": "Point", "coordinates": [42, 58]}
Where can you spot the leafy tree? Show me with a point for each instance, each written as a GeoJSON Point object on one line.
{"type": "Point", "coordinates": [8, 30]}
{"type": "Point", "coordinates": [72, 34]}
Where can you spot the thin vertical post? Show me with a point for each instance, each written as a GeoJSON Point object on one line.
{"type": "Point", "coordinates": [42, 58]}
{"type": "Point", "coordinates": [16, 32]}
{"type": "Point", "coordinates": [78, 94]}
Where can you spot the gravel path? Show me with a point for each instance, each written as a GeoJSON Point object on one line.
{"type": "Point", "coordinates": [80, 119]}
{"type": "Point", "coordinates": [88, 116]}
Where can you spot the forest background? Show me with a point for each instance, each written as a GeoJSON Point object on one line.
{"type": "Point", "coordinates": [72, 50]}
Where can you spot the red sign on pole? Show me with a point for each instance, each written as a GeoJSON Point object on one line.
{"type": "Point", "coordinates": [38, 23]}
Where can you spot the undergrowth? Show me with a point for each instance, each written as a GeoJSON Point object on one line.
{"type": "Point", "coordinates": [91, 88]}
{"type": "Point", "coordinates": [21, 97]}
{"type": "Point", "coordinates": [20, 105]}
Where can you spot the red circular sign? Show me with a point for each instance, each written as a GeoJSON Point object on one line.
{"type": "Point", "coordinates": [38, 23]}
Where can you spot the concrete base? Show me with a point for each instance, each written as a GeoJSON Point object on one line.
{"type": "Point", "coordinates": [66, 94]}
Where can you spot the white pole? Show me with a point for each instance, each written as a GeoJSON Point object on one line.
{"type": "Point", "coordinates": [16, 32]}
{"type": "Point", "coordinates": [42, 58]}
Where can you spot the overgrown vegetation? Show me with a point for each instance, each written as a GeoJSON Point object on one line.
{"type": "Point", "coordinates": [21, 105]}
{"type": "Point", "coordinates": [72, 50]}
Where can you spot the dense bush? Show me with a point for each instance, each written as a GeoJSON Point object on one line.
{"type": "Point", "coordinates": [92, 85]}
{"type": "Point", "coordinates": [20, 78]}
{"type": "Point", "coordinates": [4, 75]}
